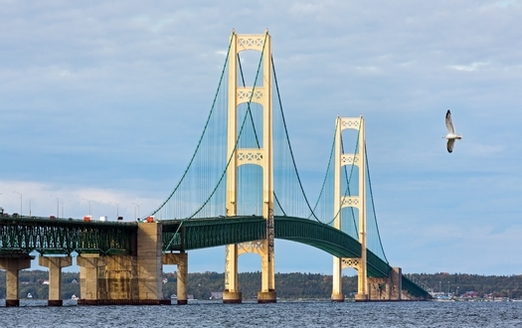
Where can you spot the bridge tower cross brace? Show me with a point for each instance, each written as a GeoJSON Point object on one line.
{"type": "Point", "coordinates": [261, 93]}
{"type": "Point", "coordinates": [359, 202]}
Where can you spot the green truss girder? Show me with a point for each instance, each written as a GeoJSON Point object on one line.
{"type": "Point", "coordinates": [210, 232]}
{"type": "Point", "coordinates": [318, 235]}
{"type": "Point", "coordinates": [329, 239]}
{"type": "Point", "coordinates": [375, 266]}
{"type": "Point", "coordinates": [414, 289]}
{"type": "Point", "coordinates": [61, 236]}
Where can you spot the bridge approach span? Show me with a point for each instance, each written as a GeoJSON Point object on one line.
{"type": "Point", "coordinates": [23, 235]}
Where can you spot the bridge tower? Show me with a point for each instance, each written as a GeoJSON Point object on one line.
{"type": "Point", "coordinates": [359, 202]}
{"type": "Point", "coordinates": [261, 93]}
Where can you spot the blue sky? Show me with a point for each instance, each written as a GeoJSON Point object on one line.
{"type": "Point", "coordinates": [104, 102]}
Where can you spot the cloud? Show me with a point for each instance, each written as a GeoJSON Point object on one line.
{"type": "Point", "coordinates": [482, 150]}
{"type": "Point", "coordinates": [41, 199]}
{"type": "Point", "coordinates": [468, 68]}
{"type": "Point", "coordinates": [369, 69]}
{"type": "Point", "coordinates": [503, 4]}
{"type": "Point", "coordinates": [106, 101]}
{"type": "Point", "coordinates": [298, 9]}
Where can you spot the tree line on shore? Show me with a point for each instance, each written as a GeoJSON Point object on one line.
{"type": "Point", "coordinates": [288, 285]}
{"type": "Point", "coordinates": [463, 284]}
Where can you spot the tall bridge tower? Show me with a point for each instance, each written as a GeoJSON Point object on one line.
{"type": "Point", "coordinates": [359, 202]}
{"type": "Point", "coordinates": [262, 156]}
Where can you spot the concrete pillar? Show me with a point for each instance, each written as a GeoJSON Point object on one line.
{"type": "Point", "coordinates": [89, 273]}
{"type": "Point", "coordinates": [386, 289]}
{"type": "Point", "coordinates": [379, 289]}
{"type": "Point", "coordinates": [150, 270]}
{"type": "Point", "coordinates": [12, 267]}
{"type": "Point", "coordinates": [266, 297]}
{"type": "Point", "coordinates": [396, 283]}
{"type": "Point", "coordinates": [119, 278]}
{"type": "Point", "coordinates": [55, 265]}
{"type": "Point", "coordinates": [267, 293]}
{"type": "Point", "coordinates": [182, 279]}
{"type": "Point", "coordinates": [231, 295]}
{"type": "Point", "coordinates": [337, 280]}
{"type": "Point", "coordinates": [362, 279]}
{"type": "Point", "coordinates": [181, 260]}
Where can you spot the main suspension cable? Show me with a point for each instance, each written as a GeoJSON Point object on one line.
{"type": "Point", "coordinates": [202, 134]}
{"type": "Point", "coordinates": [373, 204]}
{"type": "Point", "coordinates": [288, 141]}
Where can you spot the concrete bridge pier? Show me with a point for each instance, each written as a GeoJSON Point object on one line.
{"type": "Point", "coordinates": [12, 267]}
{"type": "Point", "coordinates": [134, 279]}
{"type": "Point", "coordinates": [396, 283]}
{"type": "Point", "coordinates": [267, 297]}
{"type": "Point", "coordinates": [181, 260]}
{"type": "Point", "coordinates": [89, 271]}
{"type": "Point", "coordinates": [388, 288]}
{"type": "Point", "coordinates": [55, 265]}
{"type": "Point", "coordinates": [149, 262]}
{"type": "Point", "coordinates": [337, 297]}
{"type": "Point", "coordinates": [117, 279]}
{"type": "Point", "coordinates": [267, 293]}
{"type": "Point", "coordinates": [231, 295]}
{"type": "Point", "coordinates": [337, 280]}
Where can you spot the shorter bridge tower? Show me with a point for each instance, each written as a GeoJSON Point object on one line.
{"type": "Point", "coordinates": [359, 202]}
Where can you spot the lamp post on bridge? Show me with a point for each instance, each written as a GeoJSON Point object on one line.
{"type": "Point", "coordinates": [20, 201]}
{"type": "Point", "coordinates": [138, 206]}
{"type": "Point", "coordinates": [90, 205]}
{"type": "Point", "coordinates": [57, 206]}
{"type": "Point", "coordinates": [117, 209]}
{"type": "Point", "coordinates": [63, 202]}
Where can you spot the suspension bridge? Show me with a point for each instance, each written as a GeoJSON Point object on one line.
{"type": "Point", "coordinates": [241, 189]}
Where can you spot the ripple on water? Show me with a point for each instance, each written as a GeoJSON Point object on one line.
{"type": "Point", "coordinates": [282, 314]}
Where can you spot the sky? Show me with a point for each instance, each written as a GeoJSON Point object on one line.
{"type": "Point", "coordinates": [101, 105]}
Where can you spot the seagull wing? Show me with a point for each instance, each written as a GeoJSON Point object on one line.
{"type": "Point", "coordinates": [449, 122]}
{"type": "Point", "coordinates": [450, 144]}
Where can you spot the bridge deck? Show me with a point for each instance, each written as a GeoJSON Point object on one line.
{"type": "Point", "coordinates": [22, 235]}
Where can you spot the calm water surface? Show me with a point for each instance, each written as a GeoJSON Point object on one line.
{"type": "Point", "coordinates": [281, 314]}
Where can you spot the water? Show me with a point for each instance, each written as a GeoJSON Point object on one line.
{"type": "Point", "coordinates": [282, 314]}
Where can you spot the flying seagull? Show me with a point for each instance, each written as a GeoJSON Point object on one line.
{"type": "Point", "coordinates": [451, 136]}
